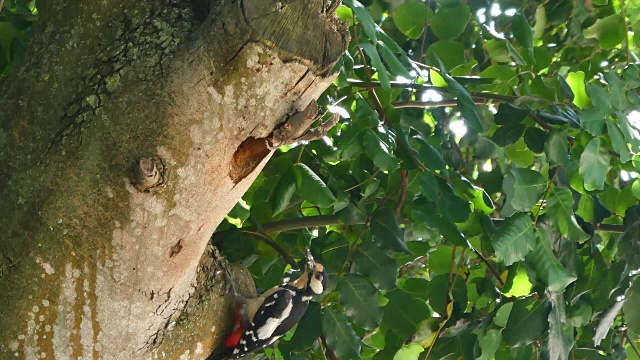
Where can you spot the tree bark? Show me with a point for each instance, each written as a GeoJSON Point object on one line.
{"type": "Point", "coordinates": [93, 262]}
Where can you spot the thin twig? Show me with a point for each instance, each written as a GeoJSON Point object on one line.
{"type": "Point", "coordinates": [403, 191]}
{"type": "Point", "coordinates": [633, 346]}
{"type": "Point", "coordinates": [332, 355]}
{"type": "Point", "coordinates": [367, 71]}
{"type": "Point", "coordinates": [365, 181]}
{"type": "Point", "coordinates": [269, 241]}
{"type": "Point", "coordinates": [324, 356]}
{"type": "Point", "coordinates": [486, 262]}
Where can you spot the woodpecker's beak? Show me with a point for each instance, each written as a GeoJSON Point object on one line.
{"type": "Point", "coordinates": [311, 263]}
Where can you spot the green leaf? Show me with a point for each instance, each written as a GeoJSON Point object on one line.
{"type": "Point", "coordinates": [431, 157]}
{"type": "Point", "coordinates": [450, 52]}
{"type": "Point", "coordinates": [515, 55]}
{"type": "Point", "coordinates": [311, 187]}
{"type": "Point", "coordinates": [600, 98]}
{"type": "Point", "coordinates": [451, 233]}
{"type": "Point", "coordinates": [345, 13]}
{"type": "Point", "coordinates": [635, 188]}
{"type": "Point", "coordinates": [547, 266]}
{"type": "Point", "coordinates": [364, 17]}
{"type": "Point", "coordinates": [595, 163]}
{"type": "Point", "coordinates": [522, 31]}
{"type": "Point", "coordinates": [502, 315]}
{"type": "Point", "coordinates": [529, 186]}
{"type": "Point", "coordinates": [609, 31]}
{"type": "Point", "coordinates": [593, 120]}
{"type": "Point", "coordinates": [510, 115]}
{"type": "Point", "coordinates": [396, 67]}
{"type": "Point", "coordinates": [556, 147]}
{"type": "Point", "coordinates": [440, 259]}
{"type": "Point", "coordinates": [374, 263]}
{"type": "Point", "coordinates": [497, 49]}
{"type": "Point", "coordinates": [454, 208]}
{"type": "Point", "coordinates": [507, 135]}
{"type": "Point", "coordinates": [386, 231]}
{"type": "Point", "coordinates": [527, 322]}
{"type": "Point", "coordinates": [541, 22]}
{"type": "Point", "coordinates": [560, 340]}
{"type": "Point", "coordinates": [378, 151]}
{"type": "Point", "coordinates": [560, 211]}
{"type": "Point", "coordinates": [283, 192]}
{"type": "Point", "coordinates": [619, 143]}
{"type": "Point", "coordinates": [577, 84]}
{"type": "Point", "coordinates": [410, 18]}
{"type": "Point", "coordinates": [606, 321]}
{"type": "Point", "coordinates": [383, 74]}
{"type": "Point", "coordinates": [630, 127]}
{"type": "Point", "coordinates": [586, 208]}
{"type": "Point", "coordinates": [535, 139]}
{"type": "Point", "coordinates": [429, 185]}
{"type": "Point", "coordinates": [339, 335]}
{"type": "Point", "coordinates": [618, 201]}
{"type": "Point", "coordinates": [514, 239]}
{"type": "Point", "coordinates": [518, 283]}
{"type": "Point", "coordinates": [409, 352]}
{"type": "Point", "coordinates": [631, 308]}
{"type": "Point", "coordinates": [450, 22]}
{"type": "Point", "coordinates": [308, 329]}
{"type": "Point", "coordinates": [403, 313]}
{"type": "Point", "coordinates": [358, 296]}
{"type": "Point", "coordinates": [489, 343]}
{"type": "Point", "coordinates": [466, 105]}
{"type": "Point", "coordinates": [617, 91]}
{"type": "Point", "coordinates": [519, 154]}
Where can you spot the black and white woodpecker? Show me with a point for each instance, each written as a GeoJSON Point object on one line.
{"type": "Point", "coordinates": [262, 320]}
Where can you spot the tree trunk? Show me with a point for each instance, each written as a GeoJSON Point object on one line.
{"type": "Point", "coordinates": [99, 251]}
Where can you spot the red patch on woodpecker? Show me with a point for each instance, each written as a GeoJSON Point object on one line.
{"type": "Point", "coordinates": [233, 339]}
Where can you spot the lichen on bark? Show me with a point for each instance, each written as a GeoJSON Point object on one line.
{"type": "Point", "coordinates": [90, 260]}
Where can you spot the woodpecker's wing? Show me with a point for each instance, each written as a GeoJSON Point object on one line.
{"type": "Point", "coordinates": [276, 314]}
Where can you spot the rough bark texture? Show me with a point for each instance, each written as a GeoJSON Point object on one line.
{"type": "Point", "coordinates": [90, 266]}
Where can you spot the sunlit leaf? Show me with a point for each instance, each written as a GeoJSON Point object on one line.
{"type": "Point", "coordinates": [410, 18]}
{"type": "Point", "coordinates": [609, 31]}
{"type": "Point", "coordinates": [595, 163]}
{"type": "Point", "coordinates": [450, 22]}
{"type": "Point", "coordinates": [311, 187]}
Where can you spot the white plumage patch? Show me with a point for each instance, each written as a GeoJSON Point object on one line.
{"type": "Point", "coordinates": [316, 286]}
{"type": "Point", "coordinates": [265, 331]}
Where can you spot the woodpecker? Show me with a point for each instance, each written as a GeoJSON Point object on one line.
{"type": "Point", "coordinates": [262, 320]}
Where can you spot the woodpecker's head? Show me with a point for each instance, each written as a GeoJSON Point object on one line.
{"type": "Point", "coordinates": [314, 279]}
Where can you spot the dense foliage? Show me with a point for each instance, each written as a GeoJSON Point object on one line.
{"type": "Point", "coordinates": [16, 20]}
{"type": "Point", "coordinates": [479, 197]}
